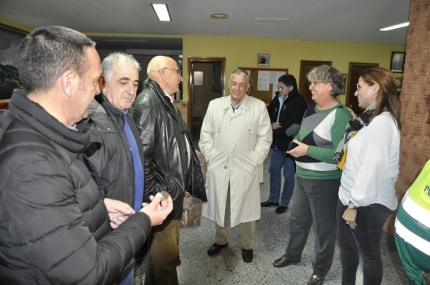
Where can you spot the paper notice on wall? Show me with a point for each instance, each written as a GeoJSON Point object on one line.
{"type": "Point", "coordinates": [263, 81]}
{"type": "Point", "coordinates": [265, 78]}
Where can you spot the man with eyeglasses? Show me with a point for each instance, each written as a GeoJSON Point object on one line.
{"type": "Point", "coordinates": [286, 113]}
{"type": "Point", "coordinates": [170, 163]}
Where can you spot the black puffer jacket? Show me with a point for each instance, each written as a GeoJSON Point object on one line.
{"type": "Point", "coordinates": [54, 227]}
{"type": "Point", "coordinates": [113, 163]}
{"type": "Point", "coordinates": [163, 133]}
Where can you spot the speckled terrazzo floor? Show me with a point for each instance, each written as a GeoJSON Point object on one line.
{"type": "Point", "coordinates": [271, 238]}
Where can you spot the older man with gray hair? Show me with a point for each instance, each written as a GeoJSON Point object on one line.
{"type": "Point", "coordinates": [119, 163]}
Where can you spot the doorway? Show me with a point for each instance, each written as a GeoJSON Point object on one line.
{"type": "Point", "coordinates": [305, 67]}
{"type": "Point", "coordinates": [203, 90]}
{"type": "Point", "coordinates": [355, 69]}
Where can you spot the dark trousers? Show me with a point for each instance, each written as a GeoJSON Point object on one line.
{"type": "Point", "coordinates": [314, 202]}
{"type": "Point", "coordinates": [364, 240]}
{"type": "Point", "coordinates": [163, 254]}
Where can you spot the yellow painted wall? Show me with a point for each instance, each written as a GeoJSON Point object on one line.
{"type": "Point", "coordinates": [284, 53]}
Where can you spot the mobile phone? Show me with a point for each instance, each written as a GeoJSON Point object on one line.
{"type": "Point", "coordinates": [291, 145]}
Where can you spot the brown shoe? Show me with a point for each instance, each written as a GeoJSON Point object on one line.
{"type": "Point", "coordinates": [316, 280]}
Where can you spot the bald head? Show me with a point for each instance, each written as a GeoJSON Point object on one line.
{"type": "Point", "coordinates": [165, 71]}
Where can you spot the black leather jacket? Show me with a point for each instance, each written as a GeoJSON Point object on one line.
{"type": "Point", "coordinates": [163, 133]}
{"type": "Point", "coordinates": [291, 116]}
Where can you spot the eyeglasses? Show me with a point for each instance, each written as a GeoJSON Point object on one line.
{"type": "Point", "coordinates": [178, 71]}
{"type": "Point", "coordinates": [313, 83]}
{"type": "Point", "coordinates": [359, 86]}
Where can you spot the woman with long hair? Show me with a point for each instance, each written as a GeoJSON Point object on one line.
{"type": "Point", "coordinates": [369, 159]}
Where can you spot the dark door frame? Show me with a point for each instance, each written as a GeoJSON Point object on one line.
{"type": "Point", "coordinates": [354, 71]}
{"type": "Point", "coordinates": [305, 67]}
{"type": "Point", "coordinates": [204, 59]}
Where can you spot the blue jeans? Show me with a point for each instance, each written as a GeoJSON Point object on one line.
{"type": "Point", "coordinates": [126, 276]}
{"type": "Point", "coordinates": [277, 161]}
{"type": "Point", "coordinates": [364, 240]}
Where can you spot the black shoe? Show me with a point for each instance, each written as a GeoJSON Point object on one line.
{"type": "Point", "coordinates": [316, 280]}
{"type": "Point", "coordinates": [281, 209]}
{"type": "Point", "coordinates": [247, 255]}
{"type": "Point", "coordinates": [282, 262]}
{"type": "Point", "coordinates": [216, 248]}
{"type": "Point", "coordinates": [268, 204]}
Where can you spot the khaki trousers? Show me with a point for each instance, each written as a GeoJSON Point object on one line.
{"type": "Point", "coordinates": [163, 254]}
{"type": "Point", "coordinates": [246, 230]}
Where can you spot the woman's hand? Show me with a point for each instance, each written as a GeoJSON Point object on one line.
{"type": "Point", "coordinates": [349, 216]}
{"type": "Point", "coordinates": [353, 114]}
{"type": "Point", "coordinates": [300, 150]}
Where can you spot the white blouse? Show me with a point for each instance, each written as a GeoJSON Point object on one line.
{"type": "Point", "coordinates": [372, 164]}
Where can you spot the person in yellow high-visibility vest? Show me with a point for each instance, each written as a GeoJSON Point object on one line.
{"type": "Point", "coordinates": [413, 229]}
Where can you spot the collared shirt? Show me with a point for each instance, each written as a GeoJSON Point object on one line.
{"type": "Point", "coordinates": [72, 127]}
{"type": "Point", "coordinates": [237, 107]}
{"type": "Point", "coordinates": [281, 102]}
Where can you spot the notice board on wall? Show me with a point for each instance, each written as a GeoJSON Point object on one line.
{"type": "Point", "coordinates": [264, 81]}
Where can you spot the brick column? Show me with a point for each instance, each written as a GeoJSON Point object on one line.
{"type": "Point", "coordinates": [415, 98]}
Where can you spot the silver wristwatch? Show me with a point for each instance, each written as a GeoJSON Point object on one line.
{"type": "Point", "coordinates": [352, 205]}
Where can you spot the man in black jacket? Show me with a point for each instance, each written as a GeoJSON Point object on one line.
{"type": "Point", "coordinates": [55, 223]}
{"type": "Point", "coordinates": [119, 163]}
{"type": "Point", "coordinates": [286, 113]}
{"type": "Point", "coordinates": [171, 163]}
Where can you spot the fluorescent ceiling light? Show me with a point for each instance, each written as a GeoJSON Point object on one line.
{"type": "Point", "coordinates": [162, 12]}
{"type": "Point", "coordinates": [398, 26]}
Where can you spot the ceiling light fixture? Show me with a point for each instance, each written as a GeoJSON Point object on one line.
{"type": "Point", "coordinates": [219, 16]}
{"type": "Point", "coordinates": [398, 26]}
{"type": "Point", "coordinates": [162, 12]}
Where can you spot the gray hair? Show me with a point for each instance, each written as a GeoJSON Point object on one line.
{"type": "Point", "coordinates": [114, 58]}
{"type": "Point", "coordinates": [47, 52]}
{"type": "Point", "coordinates": [328, 74]}
{"type": "Point", "coordinates": [239, 71]}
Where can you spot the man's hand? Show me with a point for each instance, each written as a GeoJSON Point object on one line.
{"type": "Point", "coordinates": [276, 126]}
{"type": "Point", "coordinates": [118, 211]}
{"type": "Point", "coordinates": [158, 209]}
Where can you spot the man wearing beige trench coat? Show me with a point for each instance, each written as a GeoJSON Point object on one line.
{"type": "Point", "coordinates": [235, 139]}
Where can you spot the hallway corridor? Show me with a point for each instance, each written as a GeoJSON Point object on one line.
{"type": "Point", "coordinates": [227, 267]}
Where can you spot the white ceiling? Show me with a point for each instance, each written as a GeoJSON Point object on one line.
{"type": "Point", "coordinates": [327, 20]}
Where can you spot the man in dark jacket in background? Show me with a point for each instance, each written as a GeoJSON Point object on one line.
{"type": "Point", "coordinates": [119, 163]}
{"type": "Point", "coordinates": [171, 163]}
{"type": "Point", "coordinates": [286, 113]}
{"type": "Point", "coordinates": [54, 221]}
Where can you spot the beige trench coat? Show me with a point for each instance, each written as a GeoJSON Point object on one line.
{"type": "Point", "coordinates": [234, 145]}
